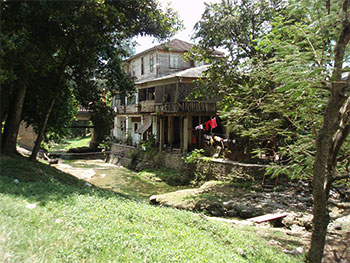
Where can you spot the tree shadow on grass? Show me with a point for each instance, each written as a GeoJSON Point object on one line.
{"type": "Point", "coordinates": [39, 182]}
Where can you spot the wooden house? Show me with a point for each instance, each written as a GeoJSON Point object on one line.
{"type": "Point", "coordinates": [160, 107]}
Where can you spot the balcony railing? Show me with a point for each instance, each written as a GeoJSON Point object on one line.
{"type": "Point", "coordinates": [168, 107]}
{"type": "Point", "coordinates": [186, 106]}
{"type": "Point", "coordinates": [127, 109]}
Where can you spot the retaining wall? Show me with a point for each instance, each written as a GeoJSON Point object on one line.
{"type": "Point", "coordinates": [220, 169]}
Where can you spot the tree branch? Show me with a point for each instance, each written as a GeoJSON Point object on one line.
{"type": "Point", "coordinates": [343, 40]}
{"type": "Point", "coordinates": [342, 132]}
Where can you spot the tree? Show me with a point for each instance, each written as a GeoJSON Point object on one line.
{"type": "Point", "coordinates": [246, 97]}
{"type": "Point", "coordinates": [292, 86]}
{"type": "Point", "coordinates": [320, 48]}
{"type": "Point", "coordinates": [68, 42]}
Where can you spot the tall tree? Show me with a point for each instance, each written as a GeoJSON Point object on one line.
{"type": "Point", "coordinates": [292, 86]}
{"type": "Point", "coordinates": [67, 41]}
{"type": "Point", "coordinates": [311, 43]}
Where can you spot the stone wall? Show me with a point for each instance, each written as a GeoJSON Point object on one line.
{"type": "Point", "coordinates": [217, 169]}
{"type": "Point", "coordinates": [220, 169]}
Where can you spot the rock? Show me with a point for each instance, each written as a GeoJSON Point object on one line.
{"type": "Point", "coordinates": [212, 207]}
{"type": "Point", "coordinates": [153, 200]}
{"type": "Point", "coordinates": [276, 205]}
{"type": "Point", "coordinates": [232, 213]}
{"type": "Point", "coordinates": [245, 211]}
{"type": "Point", "coordinates": [337, 226]}
{"type": "Point", "coordinates": [274, 242]}
{"type": "Point", "coordinates": [229, 204]}
{"type": "Point", "coordinates": [298, 250]}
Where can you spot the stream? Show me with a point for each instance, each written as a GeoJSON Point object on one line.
{"type": "Point", "coordinates": [135, 185]}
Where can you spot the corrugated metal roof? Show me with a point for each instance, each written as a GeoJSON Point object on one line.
{"type": "Point", "coordinates": [195, 72]}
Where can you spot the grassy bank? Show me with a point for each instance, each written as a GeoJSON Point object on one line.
{"type": "Point", "coordinates": [67, 144]}
{"type": "Point", "coordinates": [49, 216]}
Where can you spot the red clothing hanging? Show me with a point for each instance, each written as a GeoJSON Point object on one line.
{"type": "Point", "coordinates": [213, 123]}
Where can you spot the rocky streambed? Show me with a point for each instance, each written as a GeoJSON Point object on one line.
{"type": "Point", "coordinates": [245, 200]}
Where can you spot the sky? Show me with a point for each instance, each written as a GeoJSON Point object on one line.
{"type": "Point", "coordinates": [190, 11]}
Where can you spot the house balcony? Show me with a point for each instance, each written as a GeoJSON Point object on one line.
{"type": "Point", "coordinates": [127, 109]}
{"type": "Point", "coordinates": [83, 114]}
{"type": "Point", "coordinates": [186, 106]}
{"type": "Point", "coordinates": [147, 106]}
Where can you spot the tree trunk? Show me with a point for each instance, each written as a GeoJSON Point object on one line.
{"type": "Point", "coordinates": [324, 165]}
{"type": "Point", "coordinates": [41, 133]}
{"type": "Point", "coordinates": [13, 121]}
{"type": "Point", "coordinates": [323, 172]}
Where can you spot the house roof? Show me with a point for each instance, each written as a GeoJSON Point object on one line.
{"type": "Point", "coordinates": [195, 72]}
{"type": "Point", "coordinates": [175, 45]}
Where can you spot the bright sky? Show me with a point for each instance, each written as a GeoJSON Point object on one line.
{"type": "Point", "coordinates": [190, 11]}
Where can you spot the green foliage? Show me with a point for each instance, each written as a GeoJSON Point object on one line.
{"type": "Point", "coordinates": [129, 140]}
{"type": "Point", "coordinates": [271, 86]}
{"type": "Point", "coordinates": [201, 165]}
{"type": "Point", "coordinates": [149, 146]}
{"type": "Point", "coordinates": [71, 53]}
{"type": "Point", "coordinates": [167, 175]}
{"type": "Point", "coordinates": [195, 156]}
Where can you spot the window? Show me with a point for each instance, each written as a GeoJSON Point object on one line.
{"type": "Point", "coordinates": [133, 69]}
{"type": "Point", "coordinates": [174, 61]}
{"type": "Point", "coordinates": [142, 66]}
{"type": "Point", "coordinates": [151, 63]}
{"type": "Point", "coordinates": [135, 127]}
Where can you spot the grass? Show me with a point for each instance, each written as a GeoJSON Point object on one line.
{"type": "Point", "coordinates": [49, 216]}
{"type": "Point", "coordinates": [67, 144]}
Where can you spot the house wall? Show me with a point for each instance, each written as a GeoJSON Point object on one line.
{"type": "Point", "coordinates": [163, 62]}
{"type": "Point", "coordinates": [135, 66]}
{"type": "Point", "coordinates": [124, 127]}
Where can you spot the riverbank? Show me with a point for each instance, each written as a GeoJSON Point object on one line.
{"type": "Point", "coordinates": [50, 216]}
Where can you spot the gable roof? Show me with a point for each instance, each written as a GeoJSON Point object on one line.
{"type": "Point", "coordinates": [175, 45]}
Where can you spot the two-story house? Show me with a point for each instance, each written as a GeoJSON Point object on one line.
{"type": "Point", "coordinates": [160, 108]}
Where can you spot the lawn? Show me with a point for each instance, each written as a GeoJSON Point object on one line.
{"type": "Point", "coordinates": [49, 216]}
{"type": "Point", "coordinates": [67, 144]}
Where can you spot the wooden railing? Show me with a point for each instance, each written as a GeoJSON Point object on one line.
{"type": "Point", "coordinates": [169, 107]}
{"type": "Point", "coordinates": [81, 109]}
{"type": "Point", "coordinates": [127, 109]}
{"type": "Point", "coordinates": [186, 106]}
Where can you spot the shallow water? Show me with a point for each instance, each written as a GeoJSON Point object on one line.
{"type": "Point", "coordinates": [116, 178]}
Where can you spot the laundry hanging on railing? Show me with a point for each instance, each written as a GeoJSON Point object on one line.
{"type": "Point", "coordinates": [199, 127]}
{"type": "Point", "coordinates": [212, 123]}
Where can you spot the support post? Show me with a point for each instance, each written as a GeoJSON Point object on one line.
{"type": "Point", "coordinates": [161, 137]}
{"type": "Point", "coordinates": [185, 134]}
{"type": "Point", "coordinates": [170, 131]}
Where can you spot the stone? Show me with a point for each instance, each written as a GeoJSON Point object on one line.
{"type": "Point", "coordinates": [276, 205]}
{"type": "Point", "coordinates": [229, 204]}
{"type": "Point", "coordinates": [232, 213]}
{"type": "Point", "coordinates": [153, 200]}
{"type": "Point", "coordinates": [248, 211]}
{"type": "Point", "coordinates": [337, 226]}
